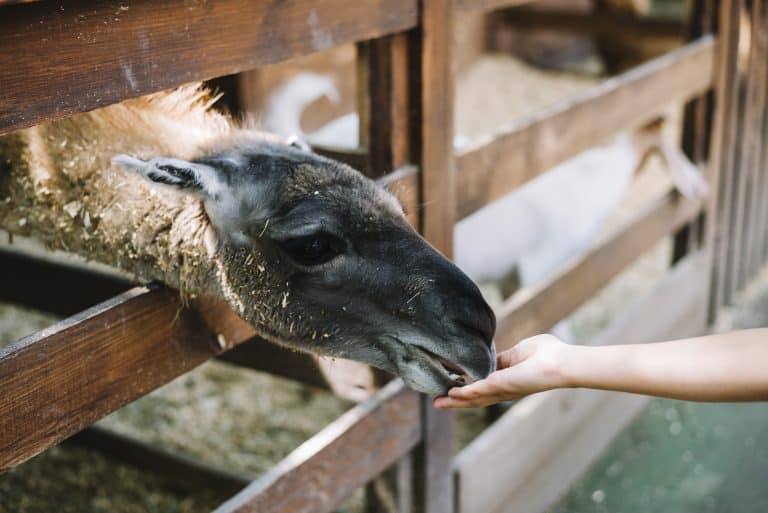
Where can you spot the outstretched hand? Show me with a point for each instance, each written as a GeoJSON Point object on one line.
{"type": "Point", "coordinates": [533, 365]}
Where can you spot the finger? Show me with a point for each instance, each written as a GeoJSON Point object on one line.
{"type": "Point", "coordinates": [476, 389]}
{"type": "Point", "coordinates": [509, 358]}
{"type": "Point", "coordinates": [450, 402]}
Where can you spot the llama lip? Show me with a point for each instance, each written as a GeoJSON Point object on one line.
{"type": "Point", "coordinates": [452, 371]}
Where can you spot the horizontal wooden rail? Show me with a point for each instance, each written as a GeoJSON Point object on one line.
{"type": "Point", "coordinates": [321, 473]}
{"type": "Point", "coordinates": [59, 61]}
{"type": "Point", "coordinates": [595, 23]}
{"type": "Point", "coordinates": [536, 450]}
{"type": "Point", "coordinates": [66, 377]}
{"type": "Point", "coordinates": [538, 308]}
{"type": "Point", "coordinates": [495, 165]}
{"type": "Point", "coordinates": [489, 5]}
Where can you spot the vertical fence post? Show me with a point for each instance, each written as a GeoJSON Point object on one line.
{"type": "Point", "coordinates": [722, 150]}
{"type": "Point", "coordinates": [697, 122]}
{"type": "Point", "coordinates": [433, 491]}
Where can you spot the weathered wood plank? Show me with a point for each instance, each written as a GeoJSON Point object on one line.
{"type": "Point", "coordinates": [326, 469]}
{"type": "Point", "coordinates": [437, 164]}
{"type": "Point", "coordinates": [495, 165]}
{"type": "Point", "coordinates": [388, 103]}
{"type": "Point", "coordinates": [66, 377]}
{"type": "Point", "coordinates": [97, 53]}
{"type": "Point", "coordinates": [595, 23]}
{"type": "Point", "coordinates": [489, 5]}
{"type": "Point", "coordinates": [493, 473]}
{"type": "Point", "coordinates": [432, 484]}
{"type": "Point", "coordinates": [696, 134]}
{"type": "Point", "coordinates": [538, 308]}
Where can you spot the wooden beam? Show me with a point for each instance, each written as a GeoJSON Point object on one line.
{"type": "Point", "coordinates": [98, 53]}
{"type": "Point", "coordinates": [151, 458]}
{"type": "Point", "coordinates": [538, 308]}
{"type": "Point", "coordinates": [322, 472]}
{"type": "Point", "coordinates": [595, 23]}
{"type": "Point", "coordinates": [388, 102]}
{"type": "Point", "coordinates": [60, 380]}
{"type": "Point", "coordinates": [489, 5]}
{"type": "Point", "coordinates": [496, 165]}
{"type": "Point", "coordinates": [432, 485]}
{"type": "Point", "coordinates": [534, 439]}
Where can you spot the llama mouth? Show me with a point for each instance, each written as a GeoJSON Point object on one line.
{"type": "Point", "coordinates": [447, 369]}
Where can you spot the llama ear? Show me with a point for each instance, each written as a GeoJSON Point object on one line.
{"type": "Point", "coordinates": [180, 175]}
{"type": "Point", "coordinates": [685, 175]}
{"type": "Point", "coordinates": [297, 142]}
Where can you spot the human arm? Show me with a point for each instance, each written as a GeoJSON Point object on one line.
{"type": "Point", "coordinates": [723, 367]}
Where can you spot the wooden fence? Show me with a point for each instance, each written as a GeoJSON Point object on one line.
{"type": "Point", "coordinates": [535, 450]}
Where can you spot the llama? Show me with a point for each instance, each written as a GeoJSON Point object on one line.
{"type": "Point", "coordinates": [310, 252]}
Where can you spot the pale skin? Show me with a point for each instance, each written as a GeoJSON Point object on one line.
{"type": "Point", "coordinates": [726, 367]}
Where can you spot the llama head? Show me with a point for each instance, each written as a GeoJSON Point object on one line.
{"type": "Point", "coordinates": [319, 258]}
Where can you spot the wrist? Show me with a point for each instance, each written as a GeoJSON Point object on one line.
{"type": "Point", "coordinates": [571, 367]}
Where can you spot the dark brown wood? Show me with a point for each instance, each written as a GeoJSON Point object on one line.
{"type": "Point", "coordinates": [326, 469]}
{"type": "Point", "coordinates": [598, 23]}
{"type": "Point", "coordinates": [59, 61]}
{"type": "Point", "coordinates": [536, 309]}
{"type": "Point", "coordinates": [437, 165]}
{"type": "Point", "coordinates": [60, 380]}
{"type": "Point", "coordinates": [432, 481]}
{"type": "Point", "coordinates": [488, 5]}
{"type": "Point", "coordinates": [356, 158]}
{"type": "Point", "coordinates": [528, 147]}
{"type": "Point", "coordinates": [148, 457]}
{"type": "Point", "coordinates": [697, 124]}
{"type": "Point", "coordinates": [388, 104]}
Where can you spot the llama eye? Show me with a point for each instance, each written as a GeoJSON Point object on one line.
{"type": "Point", "coordinates": [314, 249]}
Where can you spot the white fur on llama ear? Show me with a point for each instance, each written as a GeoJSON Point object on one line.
{"type": "Point", "coordinates": [297, 142]}
{"type": "Point", "coordinates": [177, 174]}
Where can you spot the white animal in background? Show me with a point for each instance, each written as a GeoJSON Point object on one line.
{"type": "Point", "coordinates": [558, 215]}
{"type": "Point", "coordinates": [283, 114]}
